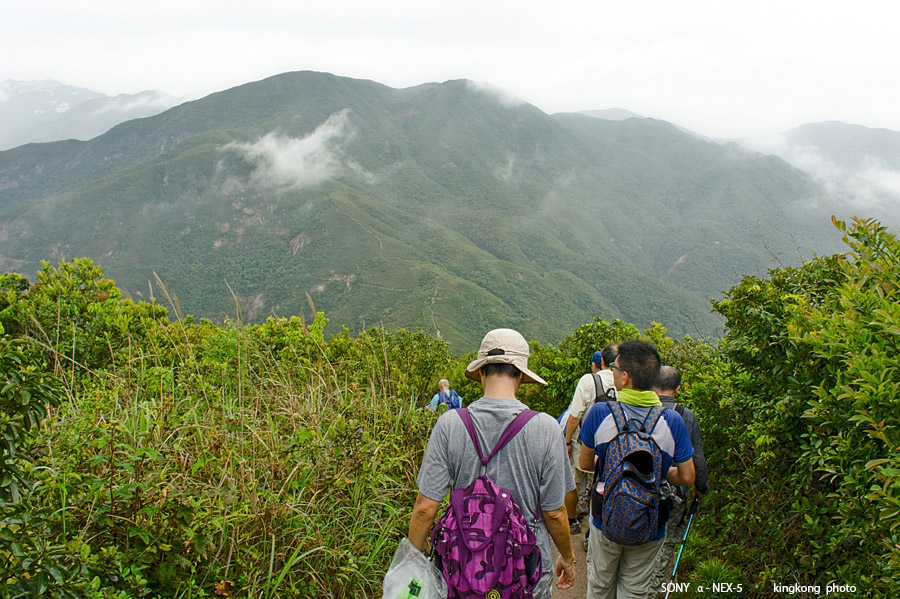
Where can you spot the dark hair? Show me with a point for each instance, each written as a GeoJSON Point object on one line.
{"type": "Point", "coordinates": [610, 353]}
{"type": "Point", "coordinates": [495, 368]}
{"type": "Point", "coordinates": [505, 369]}
{"type": "Point", "coordinates": [668, 380]}
{"type": "Point", "coordinates": [641, 361]}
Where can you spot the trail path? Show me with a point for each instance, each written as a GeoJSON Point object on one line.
{"type": "Point", "coordinates": [364, 228]}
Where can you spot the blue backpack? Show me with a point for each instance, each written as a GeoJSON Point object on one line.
{"type": "Point", "coordinates": [629, 506]}
{"type": "Point", "coordinates": [451, 399]}
{"type": "Point", "coordinates": [563, 420]}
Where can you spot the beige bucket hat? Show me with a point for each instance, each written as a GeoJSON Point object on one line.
{"type": "Point", "coordinates": [515, 351]}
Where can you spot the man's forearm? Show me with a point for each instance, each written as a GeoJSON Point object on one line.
{"type": "Point", "coordinates": [571, 425]}
{"type": "Point", "coordinates": [682, 474]}
{"type": "Point", "coordinates": [586, 459]}
{"type": "Point", "coordinates": [558, 526]}
{"type": "Point", "coordinates": [422, 520]}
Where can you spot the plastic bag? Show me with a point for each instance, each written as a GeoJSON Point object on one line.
{"type": "Point", "coordinates": [413, 576]}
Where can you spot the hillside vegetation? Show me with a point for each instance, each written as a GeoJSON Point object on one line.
{"type": "Point", "coordinates": [443, 207]}
{"type": "Point", "coordinates": [145, 456]}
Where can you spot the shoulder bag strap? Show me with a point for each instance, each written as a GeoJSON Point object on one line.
{"type": "Point", "coordinates": [511, 431]}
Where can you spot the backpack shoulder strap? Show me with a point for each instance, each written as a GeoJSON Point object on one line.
{"type": "Point", "coordinates": [653, 418]}
{"type": "Point", "coordinates": [511, 431]}
{"type": "Point", "coordinates": [598, 386]}
{"type": "Point", "coordinates": [621, 420]}
{"type": "Point", "coordinates": [680, 409]}
{"type": "Point", "coordinates": [619, 416]}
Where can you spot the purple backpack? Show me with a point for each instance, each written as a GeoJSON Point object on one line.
{"type": "Point", "coordinates": [483, 544]}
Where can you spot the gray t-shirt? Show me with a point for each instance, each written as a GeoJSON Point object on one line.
{"type": "Point", "coordinates": [534, 465]}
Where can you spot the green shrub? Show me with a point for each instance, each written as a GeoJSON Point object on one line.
{"type": "Point", "coordinates": [30, 564]}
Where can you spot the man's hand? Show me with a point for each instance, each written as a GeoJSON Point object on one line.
{"type": "Point", "coordinates": [566, 572]}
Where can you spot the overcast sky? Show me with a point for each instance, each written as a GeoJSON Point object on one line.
{"type": "Point", "coordinates": [723, 68]}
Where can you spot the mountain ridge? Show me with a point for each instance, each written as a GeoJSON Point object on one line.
{"type": "Point", "coordinates": [47, 111]}
{"type": "Point", "coordinates": [446, 206]}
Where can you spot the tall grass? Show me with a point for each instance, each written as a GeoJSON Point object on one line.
{"type": "Point", "coordinates": [240, 461]}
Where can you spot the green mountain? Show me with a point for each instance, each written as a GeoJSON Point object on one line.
{"type": "Point", "coordinates": [445, 206]}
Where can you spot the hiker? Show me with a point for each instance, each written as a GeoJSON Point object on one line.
{"type": "Point", "coordinates": [532, 465]}
{"type": "Point", "coordinates": [623, 566]}
{"type": "Point", "coordinates": [667, 386]}
{"type": "Point", "coordinates": [597, 385]}
{"type": "Point", "coordinates": [446, 396]}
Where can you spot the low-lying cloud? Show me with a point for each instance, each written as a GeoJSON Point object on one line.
{"type": "Point", "coordinates": [281, 161]}
{"type": "Point", "coordinates": [144, 103]}
{"type": "Point", "coordinates": [503, 97]}
{"type": "Point", "coordinates": [874, 187]}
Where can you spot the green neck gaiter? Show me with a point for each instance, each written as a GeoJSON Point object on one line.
{"type": "Point", "coordinates": [643, 399]}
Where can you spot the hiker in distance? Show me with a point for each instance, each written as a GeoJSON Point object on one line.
{"type": "Point", "coordinates": [667, 386]}
{"type": "Point", "coordinates": [638, 445]}
{"type": "Point", "coordinates": [445, 396]}
{"type": "Point", "coordinates": [597, 385]}
{"type": "Point", "coordinates": [531, 466]}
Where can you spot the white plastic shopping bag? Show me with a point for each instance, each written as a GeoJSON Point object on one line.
{"type": "Point", "coordinates": [413, 576]}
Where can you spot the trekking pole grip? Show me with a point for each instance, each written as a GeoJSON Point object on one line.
{"type": "Point", "coordinates": [694, 504]}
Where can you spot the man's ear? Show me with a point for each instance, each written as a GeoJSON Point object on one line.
{"type": "Point", "coordinates": [677, 389]}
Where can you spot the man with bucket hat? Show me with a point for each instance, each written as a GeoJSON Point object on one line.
{"type": "Point", "coordinates": [532, 464]}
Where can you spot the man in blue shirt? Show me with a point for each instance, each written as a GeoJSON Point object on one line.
{"type": "Point", "coordinates": [626, 571]}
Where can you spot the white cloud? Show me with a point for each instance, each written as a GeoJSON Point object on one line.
{"type": "Point", "coordinates": [874, 187]}
{"type": "Point", "coordinates": [150, 103]}
{"type": "Point", "coordinates": [505, 172]}
{"type": "Point", "coordinates": [288, 162]}
{"type": "Point", "coordinates": [502, 96]}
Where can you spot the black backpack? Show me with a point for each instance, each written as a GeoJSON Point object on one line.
{"type": "Point", "coordinates": [601, 393]}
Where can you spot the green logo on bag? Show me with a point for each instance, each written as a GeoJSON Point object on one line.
{"type": "Point", "coordinates": [415, 589]}
{"type": "Point", "coordinates": [492, 594]}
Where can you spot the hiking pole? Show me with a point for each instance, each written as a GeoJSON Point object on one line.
{"type": "Point", "coordinates": [691, 513]}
